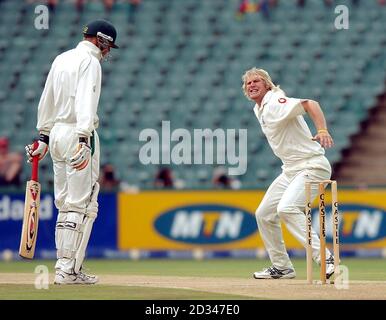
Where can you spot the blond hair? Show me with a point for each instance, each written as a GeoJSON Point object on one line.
{"type": "Point", "coordinates": [264, 75]}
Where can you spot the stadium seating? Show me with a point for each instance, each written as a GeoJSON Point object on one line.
{"type": "Point", "coordinates": [182, 61]}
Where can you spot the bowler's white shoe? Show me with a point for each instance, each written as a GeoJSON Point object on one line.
{"type": "Point", "coordinates": [275, 273]}
{"type": "Point", "coordinates": [80, 278]}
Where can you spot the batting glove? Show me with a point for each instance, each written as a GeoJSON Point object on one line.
{"type": "Point", "coordinates": [40, 151]}
{"type": "Point", "coordinates": [82, 156]}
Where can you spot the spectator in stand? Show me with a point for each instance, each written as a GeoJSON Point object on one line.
{"type": "Point", "coordinates": [245, 6]}
{"type": "Point", "coordinates": [108, 4]}
{"type": "Point", "coordinates": [164, 178]}
{"type": "Point", "coordinates": [264, 7]}
{"type": "Point", "coordinates": [273, 3]}
{"type": "Point", "coordinates": [222, 181]}
{"type": "Point", "coordinates": [51, 4]}
{"type": "Point", "coordinates": [328, 3]}
{"type": "Point", "coordinates": [79, 5]}
{"type": "Point", "coordinates": [301, 3]}
{"type": "Point", "coordinates": [133, 8]}
{"type": "Point", "coordinates": [108, 180]}
{"type": "Point", "coordinates": [10, 165]}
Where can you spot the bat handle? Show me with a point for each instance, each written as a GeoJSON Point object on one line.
{"type": "Point", "coordinates": [35, 163]}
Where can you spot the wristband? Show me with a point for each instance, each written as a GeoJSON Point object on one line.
{"type": "Point", "coordinates": [322, 131]}
{"type": "Point", "coordinates": [83, 140]}
{"type": "Point", "coordinates": [43, 137]}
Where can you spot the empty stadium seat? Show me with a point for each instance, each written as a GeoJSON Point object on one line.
{"type": "Point", "coordinates": [182, 61]}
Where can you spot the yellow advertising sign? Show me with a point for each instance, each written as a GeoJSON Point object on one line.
{"type": "Point", "coordinates": [224, 220]}
{"type": "Point", "coordinates": [186, 220]}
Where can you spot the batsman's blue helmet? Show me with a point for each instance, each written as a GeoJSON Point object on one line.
{"type": "Point", "coordinates": [104, 27]}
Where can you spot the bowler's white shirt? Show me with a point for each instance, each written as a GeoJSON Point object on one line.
{"type": "Point", "coordinates": [72, 90]}
{"type": "Point", "coordinates": [282, 122]}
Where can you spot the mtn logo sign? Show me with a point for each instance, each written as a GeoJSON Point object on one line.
{"type": "Point", "coordinates": [359, 224]}
{"type": "Point", "coordinates": [206, 224]}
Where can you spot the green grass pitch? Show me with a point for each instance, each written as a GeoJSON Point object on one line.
{"type": "Point", "coordinates": [360, 269]}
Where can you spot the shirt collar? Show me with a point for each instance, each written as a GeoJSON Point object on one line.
{"type": "Point", "coordinates": [266, 98]}
{"type": "Point", "coordinates": [91, 48]}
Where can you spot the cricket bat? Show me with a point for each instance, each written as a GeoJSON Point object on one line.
{"type": "Point", "coordinates": [31, 212]}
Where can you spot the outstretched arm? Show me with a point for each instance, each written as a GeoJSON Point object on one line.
{"type": "Point", "coordinates": [314, 110]}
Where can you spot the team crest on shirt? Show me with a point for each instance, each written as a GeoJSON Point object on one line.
{"type": "Point", "coordinates": [282, 100]}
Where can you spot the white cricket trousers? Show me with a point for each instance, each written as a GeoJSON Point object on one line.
{"type": "Point", "coordinates": [285, 201]}
{"type": "Point", "coordinates": [73, 190]}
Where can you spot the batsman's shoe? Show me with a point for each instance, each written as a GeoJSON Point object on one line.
{"type": "Point", "coordinates": [275, 273]}
{"type": "Point", "coordinates": [330, 268]}
{"type": "Point", "coordinates": [80, 278]}
{"type": "Point", "coordinates": [83, 278]}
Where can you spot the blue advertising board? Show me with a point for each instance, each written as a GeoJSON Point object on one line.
{"type": "Point", "coordinates": [103, 236]}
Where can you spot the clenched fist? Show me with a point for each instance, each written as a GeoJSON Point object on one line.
{"type": "Point", "coordinates": [40, 151]}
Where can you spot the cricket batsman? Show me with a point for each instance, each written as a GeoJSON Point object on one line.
{"type": "Point", "coordinates": [67, 123]}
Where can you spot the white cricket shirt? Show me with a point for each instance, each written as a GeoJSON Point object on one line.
{"type": "Point", "coordinates": [72, 90]}
{"type": "Point", "coordinates": [282, 122]}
